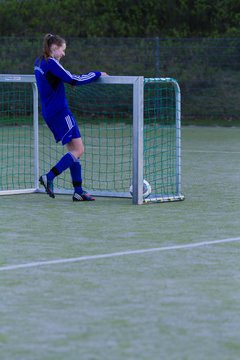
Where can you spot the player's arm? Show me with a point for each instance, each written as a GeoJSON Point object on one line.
{"type": "Point", "coordinates": [58, 70]}
{"type": "Point", "coordinates": [85, 78]}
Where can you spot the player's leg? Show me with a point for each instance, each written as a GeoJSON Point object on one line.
{"type": "Point", "coordinates": [64, 128]}
{"type": "Point", "coordinates": [64, 163]}
{"type": "Point", "coordinates": [76, 147]}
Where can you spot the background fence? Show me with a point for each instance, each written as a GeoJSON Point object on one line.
{"type": "Point", "coordinates": [208, 70]}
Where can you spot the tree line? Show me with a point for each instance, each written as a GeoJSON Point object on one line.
{"type": "Point", "coordinates": [121, 18]}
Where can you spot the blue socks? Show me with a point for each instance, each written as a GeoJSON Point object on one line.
{"type": "Point", "coordinates": [64, 163]}
{"type": "Point", "coordinates": [76, 173]}
{"type": "Point", "coordinates": [68, 161]}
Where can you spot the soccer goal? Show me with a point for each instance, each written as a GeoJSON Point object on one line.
{"type": "Point", "coordinates": [131, 128]}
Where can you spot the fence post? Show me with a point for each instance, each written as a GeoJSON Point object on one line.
{"type": "Point", "coordinates": [157, 56]}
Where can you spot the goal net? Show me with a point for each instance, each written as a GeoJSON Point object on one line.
{"type": "Point", "coordinates": [130, 127]}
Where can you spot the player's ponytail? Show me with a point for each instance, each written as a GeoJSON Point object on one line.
{"type": "Point", "coordinates": [48, 41]}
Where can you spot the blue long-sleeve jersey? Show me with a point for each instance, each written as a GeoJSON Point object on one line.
{"type": "Point", "coordinates": [51, 76]}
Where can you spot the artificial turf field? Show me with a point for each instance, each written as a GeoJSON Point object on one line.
{"type": "Point", "coordinates": [108, 280]}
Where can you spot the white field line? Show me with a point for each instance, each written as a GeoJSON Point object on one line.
{"type": "Point", "coordinates": [116, 254]}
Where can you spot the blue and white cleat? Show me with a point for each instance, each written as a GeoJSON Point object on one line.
{"type": "Point", "coordinates": [84, 196]}
{"type": "Point", "coordinates": [48, 185]}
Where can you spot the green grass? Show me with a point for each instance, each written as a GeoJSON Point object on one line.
{"type": "Point", "coordinates": [214, 121]}
{"type": "Point", "coordinates": [172, 304]}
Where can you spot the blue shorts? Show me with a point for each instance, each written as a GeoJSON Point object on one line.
{"type": "Point", "coordinates": [64, 127]}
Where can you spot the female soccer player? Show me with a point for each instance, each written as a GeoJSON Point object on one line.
{"type": "Point", "coordinates": [51, 76]}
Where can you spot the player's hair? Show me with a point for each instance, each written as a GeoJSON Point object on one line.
{"type": "Point", "coordinates": [48, 41]}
